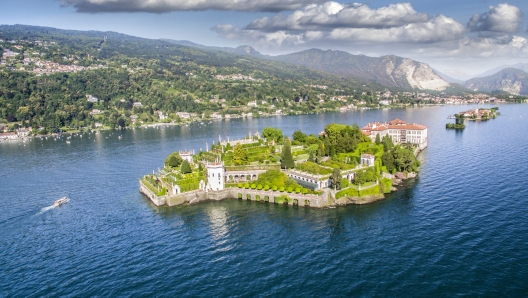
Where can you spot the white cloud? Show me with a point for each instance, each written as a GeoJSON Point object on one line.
{"type": "Point", "coordinates": [441, 28]}
{"type": "Point", "coordinates": [335, 15]}
{"type": "Point", "coordinates": [161, 6]}
{"type": "Point", "coordinates": [332, 22]}
{"type": "Point", "coordinates": [502, 18]}
{"type": "Point", "coordinates": [393, 29]}
{"type": "Point", "coordinates": [265, 39]}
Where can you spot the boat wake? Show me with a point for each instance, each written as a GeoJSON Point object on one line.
{"type": "Point", "coordinates": [46, 209]}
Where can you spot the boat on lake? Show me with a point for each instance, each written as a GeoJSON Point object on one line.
{"type": "Point", "coordinates": [61, 201]}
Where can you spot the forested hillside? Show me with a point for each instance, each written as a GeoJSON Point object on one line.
{"type": "Point", "coordinates": [47, 76]}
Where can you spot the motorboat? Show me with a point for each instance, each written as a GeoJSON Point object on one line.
{"type": "Point", "coordinates": [61, 201]}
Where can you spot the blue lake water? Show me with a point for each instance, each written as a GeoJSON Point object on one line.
{"type": "Point", "coordinates": [460, 228]}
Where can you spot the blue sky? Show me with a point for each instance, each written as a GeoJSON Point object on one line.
{"type": "Point", "coordinates": [470, 36]}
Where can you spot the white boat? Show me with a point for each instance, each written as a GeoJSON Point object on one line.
{"type": "Point", "coordinates": [61, 201]}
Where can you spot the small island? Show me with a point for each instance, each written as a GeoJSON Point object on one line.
{"type": "Point", "coordinates": [476, 114]}
{"type": "Point", "coordinates": [342, 165]}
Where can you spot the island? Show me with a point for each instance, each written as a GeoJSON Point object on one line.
{"type": "Point", "coordinates": [475, 114]}
{"type": "Point", "coordinates": [342, 165]}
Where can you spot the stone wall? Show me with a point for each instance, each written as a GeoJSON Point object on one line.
{"type": "Point", "coordinates": [193, 197]}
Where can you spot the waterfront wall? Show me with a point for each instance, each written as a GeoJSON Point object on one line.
{"type": "Point", "coordinates": [193, 197]}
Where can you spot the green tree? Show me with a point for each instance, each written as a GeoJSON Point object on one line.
{"type": "Point", "coordinates": [186, 167]}
{"type": "Point", "coordinates": [311, 156]}
{"type": "Point", "coordinates": [239, 155]}
{"type": "Point", "coordinates": [336, 178]}
{"type": "Point", "coordinates": [287, 158]}
{"type": "Point", "coordinates": [299, 137]}
{"type": "Point", "coordinates": [387, 143]}
{"type": "Point", "coordinates": [378, 139]}
{"type": "Point", "coordinates": [388, 161]}
{"type": "Point", "coordinates": [173, 160]}
{"type": "Point", "coordinates": [272, 134]}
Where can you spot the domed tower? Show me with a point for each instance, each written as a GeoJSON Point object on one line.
{"type": "Point", "coordinates": [215, 176]}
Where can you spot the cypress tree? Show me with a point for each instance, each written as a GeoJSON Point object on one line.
{"type": "Point", "coordinates": [186, 167]}
{"type": "Point", "coordinates": [287, 158]}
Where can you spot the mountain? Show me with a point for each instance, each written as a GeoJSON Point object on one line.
{"type": "Point", "coordinates": [511, 80]}
{"type": "Point", "coordinates": [448, 78]}
{"type": "Point", "coordinates": [390, 71]}
{"type": "Point", "coordinates": [240, 50]}
{"type": "Point", "coordinates": [520, 65]}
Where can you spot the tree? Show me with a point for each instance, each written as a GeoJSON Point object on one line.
{"type": "Point", "coordinates": [299, 137]}
{"type": "Point", "coordinates": [336, 178]}
{"type": "Point", "coordinates": [387, 143]}
{"type": "Point", "coordinates": [239, 155]}
{"type": "Point", "coordinates": [272, 134]}
{"type": "Point", "coordinates": [311, 156]}
{"type": "Point", "coordinates": [388, 161]}
{"type": "Point", "coordinates": [287, 158]}
{"type": "Point", "coordinates": [332, 151]}
{"type": "Point", "coordinates": [378, 140]}
{"type": "Point", "coordinates": [186, 167]}
{"type": "Point", "coordinates": [173, 160]}
{"type": "Point", "coordinates": [321, 150]}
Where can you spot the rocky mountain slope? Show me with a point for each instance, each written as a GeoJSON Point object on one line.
{"type": "Point", "coordinates": [514, 81]}
{"type": "Point", "coordinates": [390, 71]}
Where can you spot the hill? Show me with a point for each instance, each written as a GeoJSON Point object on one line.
{"type": "Point", "coordinates": [513, 81]}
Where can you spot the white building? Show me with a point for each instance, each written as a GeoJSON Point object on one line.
{"type": "Point", "coordinates": [187, 155]}
{"type": "Point", "coordinates": [91, 98]}
{"type": "Point", "coordinates": [368, 159]}
{"type": "Point", "coordinates": [399, 130]}
{"type": "Point", "coordinates": [215, 176]}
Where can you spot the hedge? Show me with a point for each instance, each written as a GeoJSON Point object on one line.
{"type": "Point", "coordinates": [386, 185]}
{"type": "Point", "coordinates": [352, 192]}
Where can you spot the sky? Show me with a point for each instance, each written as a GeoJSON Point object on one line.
{"type": "Point", "coordinates": [454, 36]}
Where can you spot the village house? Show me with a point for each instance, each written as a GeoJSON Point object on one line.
{"type": "Point", "coordinates": [183, 115]}
{"type": "Point", "coordinates": [23, 132]}
{"type": "Point", "coordinates": [96, 112]}
{"type": "Point", "coordinates": [91, 98]}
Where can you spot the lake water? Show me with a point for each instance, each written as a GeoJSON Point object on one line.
{"type": "Point", "coordinates": [460, 228]}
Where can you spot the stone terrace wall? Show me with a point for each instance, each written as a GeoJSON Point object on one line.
{"type": "Point", "coordinates": [193, 197]}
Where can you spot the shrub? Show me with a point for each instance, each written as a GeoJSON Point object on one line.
{"type": "Point", "coordinates": [297, 190]}
{"type": "Point", "coordinates": [281, 189]}
{"type": "Point", "coordinates": [239, 185]}
{"type": "Point", "coordinates": [266, 187]}
{"type": "Point", "coordinates": [259, 187]}
{"type": "Point", "coordinates": [253, 186]}
{"type": "Point", "coordinates": [289, 189]}
{"type": "Point", "coordinates": [246, 185]}
{"type": "Point", "coordinates": [162, 192]}
{"type": "Point", "coordinates": [274, 188]}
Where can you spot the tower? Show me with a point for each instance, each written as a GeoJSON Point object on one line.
{"type": "Point", "coordinates": [215, 176]}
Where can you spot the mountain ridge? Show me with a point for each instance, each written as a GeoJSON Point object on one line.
{"type": "Point", "coordinates": [511, 80]}
{"type": "Point", "coordinates": [388, 70]}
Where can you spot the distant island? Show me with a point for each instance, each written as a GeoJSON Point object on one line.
{"type": "Point", "coordinates": [342, 165]}
{"type": "Point", "coordinates": [476, 114]}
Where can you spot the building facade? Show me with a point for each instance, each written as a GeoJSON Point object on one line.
{"type": "Point", "coordinates": [400, 131]}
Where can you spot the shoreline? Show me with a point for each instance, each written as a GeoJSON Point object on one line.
{"type": "Point", "coordinates": [156, 124]}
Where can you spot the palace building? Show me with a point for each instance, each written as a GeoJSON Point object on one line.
{"type": "Point", "coordinates": [400, 131]}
